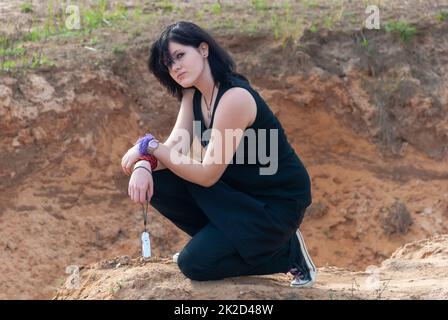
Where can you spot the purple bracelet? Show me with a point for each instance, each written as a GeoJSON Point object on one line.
{"type": "Point", "coordinates": [143, 143]}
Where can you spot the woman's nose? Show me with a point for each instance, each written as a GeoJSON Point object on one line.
{"type": "Point", "coordinates": [177, 66]}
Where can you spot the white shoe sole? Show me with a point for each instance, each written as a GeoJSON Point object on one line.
{"type": "Point", "coordinates": [175, 256]}
{"type": "Point", "coordinates": [310, 264]}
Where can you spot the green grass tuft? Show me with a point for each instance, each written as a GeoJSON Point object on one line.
{"type": "Point", "coordinates": [405, 30]}
{"type": "Point", "coordinates": [26, 7]}
{"type": "Point", "coordinates": [442, 16]}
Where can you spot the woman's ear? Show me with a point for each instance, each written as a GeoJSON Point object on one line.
{"type": "Point", "coordinates": [203, 48]}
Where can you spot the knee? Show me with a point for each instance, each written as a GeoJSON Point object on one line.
{"type": "Point", "coordinates": [191, 265]}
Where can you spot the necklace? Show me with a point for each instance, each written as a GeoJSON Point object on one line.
{"type": "Point", "coordinates": [209, 114]}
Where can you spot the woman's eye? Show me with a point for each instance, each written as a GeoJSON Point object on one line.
{"type": "Point", "coordinates": [179, 55]}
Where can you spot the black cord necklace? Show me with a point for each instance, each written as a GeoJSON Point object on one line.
{"type": "Point", "coordinates": [209, 114]}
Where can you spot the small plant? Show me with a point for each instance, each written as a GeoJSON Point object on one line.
{"type": "Point", "coordinates": [200, 14]}
{"type": "Point", "coordinates": [67, 34]}
{"type": "Point", "coordinates": [353, 18]}
{"type": "Point", "coordinates": [26, 7]}
{"type": "Point", "coordinates": [148, 17]}
{"type": "Point", "coordinates": [34, 35]}
{"type": "Point", "coordinates": [216, 8]}
{"type": "Point", "coordinates": [260, 5]}
{"type": "Point", "coordinates": [275, 26]}
{"type": "Point", "coordinates": [405, 30]}
{"type": "Point", "coordinates": [118, 49]}
{"type": "Point", "coordinates": [286, 5]}
{"type": "Point", "coordinates": [337, 12]}
{"type": "Point", "coordinates": [313, 28]}
{"type": "Point", "coordinates": [287, 9]}
{"type": "Point", "coordinates": [229, 22]}
{"type": "Point", "coordinates": [121, 12]}
{"type": "Point", "coordinates": [7, 65]}
{"type": "Point", "coordinates": [311, 4]}
{"type": "Point", "coordinates": [285, 27]}
{"type": "Point", "coordinates": [4, 41]}
{"type": "Point", "coordinates": [355, 287]}
{"type": "Point", "coordinates": [365, 43]}
{"type": "Point", "coordinates": [11, 52]}
{"type": "Point", "coordinates": [328, 22]}
{"type": "Point", "coordinates": [117, 287]}
{"type": "Point", "coordinates": [442, 16]}
{"type": "Point", "coordinates": [166, 6]}
{"type": "Point", "coordinates": [138, 11]}
{"type": "Point", "coordinates": [136, 33]}
{"type": "Point", "coordinates": [49, 27]}
{"type": "Point", "coordinates": [92, 19]}
{"type": "Point", "coordinates": [40, 60]}
{"type": "Point", "coordinates": [46, 61]}
{"type": "Point", "coordinates": [93, 41]}
{"type": "Point", "coordinates": [379, 291]}
{"type": "Point", "coordinates": [98, 16]}
{"type": "Point", "coordinates": [252, 26]}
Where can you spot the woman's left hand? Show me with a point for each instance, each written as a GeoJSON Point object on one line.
{"type": "Point", "coordinates": [128, 160]}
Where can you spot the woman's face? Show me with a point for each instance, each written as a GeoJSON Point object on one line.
{"type": "Point", "coordinates": [188, 62]}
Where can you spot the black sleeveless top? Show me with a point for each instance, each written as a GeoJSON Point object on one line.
{"type": "Point", "coordinates": [290, 181]}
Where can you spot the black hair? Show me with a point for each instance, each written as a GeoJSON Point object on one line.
{"type": "Point", "coordinates": [187, 33]}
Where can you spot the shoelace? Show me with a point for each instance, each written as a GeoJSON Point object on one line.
{"type": "Point", "coordinates": [297, 274]}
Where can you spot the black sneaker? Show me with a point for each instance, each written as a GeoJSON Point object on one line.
{"type": "Point", "coordinates": [305, 273]}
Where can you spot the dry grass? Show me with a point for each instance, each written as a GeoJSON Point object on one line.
{"type": "Point", "coordinates": [31, 29]}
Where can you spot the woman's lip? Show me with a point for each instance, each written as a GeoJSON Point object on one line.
{"type": "Point", "coordinates": [178, 77]}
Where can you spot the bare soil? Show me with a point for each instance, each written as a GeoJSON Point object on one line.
{"type": "Point", "coordinates": [370, 124]}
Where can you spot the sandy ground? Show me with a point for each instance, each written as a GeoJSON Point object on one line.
{"type": "Point", "coordinates": [415, 271]}
{"type": "Point", "coordinates": [370, 128]}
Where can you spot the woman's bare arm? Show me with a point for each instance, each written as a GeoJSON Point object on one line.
{"type": "Point", "coordinates": [184, 122]}
{"type": "Point", "coordinates": [235, 111]}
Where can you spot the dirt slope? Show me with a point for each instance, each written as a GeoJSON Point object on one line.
{"type": "Point", "coordinates": [418, 270]}
{"type": "Point", "coordinates": [370, 125]}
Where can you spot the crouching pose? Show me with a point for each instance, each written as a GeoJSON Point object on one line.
{"type": "Point", "coordinates": [244, 202]}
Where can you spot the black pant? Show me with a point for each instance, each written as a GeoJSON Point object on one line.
{"type": "Point", "coordinates": [209, 255]}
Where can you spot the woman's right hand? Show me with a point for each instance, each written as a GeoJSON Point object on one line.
{"type": "Point", "coordinates": [141, 184]}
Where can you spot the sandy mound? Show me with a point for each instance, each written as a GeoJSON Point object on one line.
{"type": "Point", "coordinates": [418, 270]}
{"type": "Point", "coordinates": [366, 113]}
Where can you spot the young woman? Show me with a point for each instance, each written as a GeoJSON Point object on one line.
{"type": "Point", "coordinates": [242, 220]}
